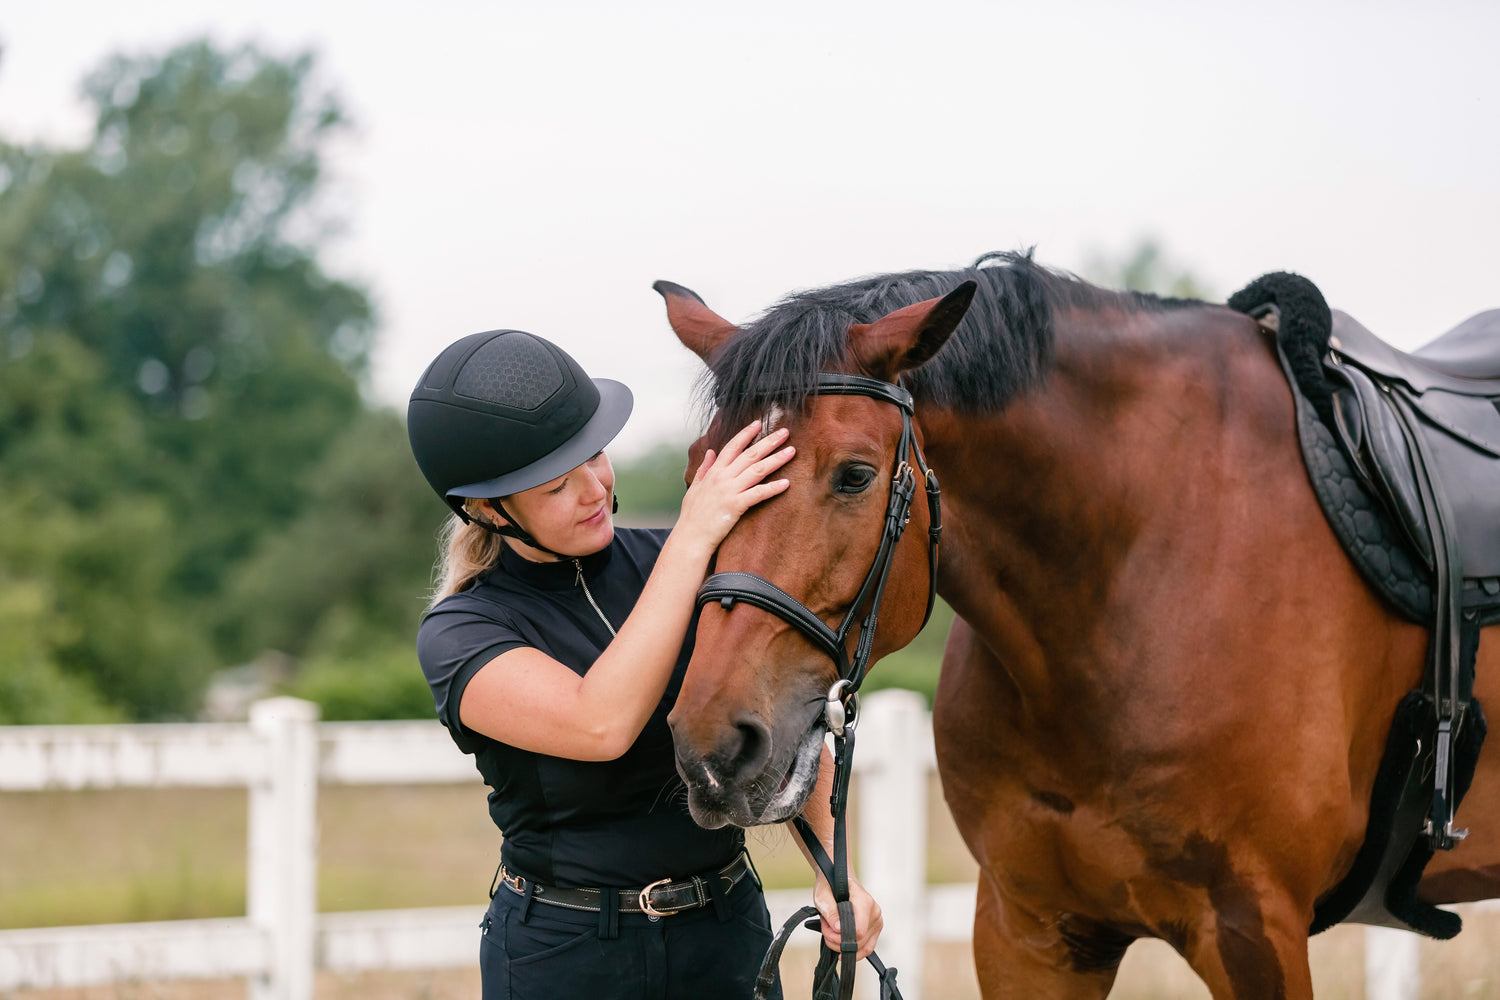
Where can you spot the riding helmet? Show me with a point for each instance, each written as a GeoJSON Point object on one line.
{"type": "Point", "coordinates": [503, 411]}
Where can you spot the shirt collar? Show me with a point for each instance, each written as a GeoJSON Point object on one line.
{"type": "Point", "coordinates": [554, 575]}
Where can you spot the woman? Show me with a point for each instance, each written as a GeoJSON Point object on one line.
{"type": "Point", "coordinates": [555, 649]}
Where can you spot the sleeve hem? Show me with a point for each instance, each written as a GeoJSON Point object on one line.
{"type": "Point", "coordinates": [460, 683]}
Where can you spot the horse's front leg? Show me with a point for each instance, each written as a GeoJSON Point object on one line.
{"type": "Point", "coordinates": [1250, 948]}
{"type": "Point", "coordinates": [1018, 953]}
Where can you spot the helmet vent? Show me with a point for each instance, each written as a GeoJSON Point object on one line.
{"type": "Point", "coordinates": [513, 370]}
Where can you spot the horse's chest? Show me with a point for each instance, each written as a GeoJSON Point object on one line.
{"type": "Point", "coordinates": [1040, 830]}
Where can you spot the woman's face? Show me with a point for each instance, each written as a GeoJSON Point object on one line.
{"type": "Point", "coordinates": [571, 514]}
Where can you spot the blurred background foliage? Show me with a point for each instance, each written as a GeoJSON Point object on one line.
{"type": "Point", "coordinates": [192, 483]}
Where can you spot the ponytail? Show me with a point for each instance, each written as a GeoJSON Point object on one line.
{"type": "Point", "coordinates": [466, 551]}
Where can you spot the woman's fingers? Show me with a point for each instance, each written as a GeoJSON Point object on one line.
{"type": "Point", "coordinates": [764, 491]}
{"type": "Point", "coordinates": [737, 444]}
{"type": "Point", "coordinates": [704, 466]}
{"type": "Point", "coordinates": [744, 448]}
{"type": "Point", "coordinates": [760, 449]}
{"type": "Point", "coordinates": [868, 920]}
{"type": "Point", "coordinates": [763, 468]}
{"type": "Point", "coordinates": [751, 463]}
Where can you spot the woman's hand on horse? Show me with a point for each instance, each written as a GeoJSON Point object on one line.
{"type": "Point", "coordinates": [729, 482]}
{"type": "Point", "coordinates": [868, 921]}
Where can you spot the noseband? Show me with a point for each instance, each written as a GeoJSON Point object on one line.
{"type": "Point", "coordinates": [729, 587]}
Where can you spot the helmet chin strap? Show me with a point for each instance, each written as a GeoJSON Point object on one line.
{"type": "Point", "coordinates": [520, 534]}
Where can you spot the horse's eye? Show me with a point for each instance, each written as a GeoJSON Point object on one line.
{"type": "Point", "coordinates": [855, 479]}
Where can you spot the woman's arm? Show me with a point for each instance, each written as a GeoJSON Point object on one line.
{"type": "Point", "coordinates": [868, 921]}
{"type": "Point", "coordinates": [527, 699]}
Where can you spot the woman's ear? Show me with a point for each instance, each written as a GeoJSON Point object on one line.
{"type": "Point", "coordinates": [482, 510]}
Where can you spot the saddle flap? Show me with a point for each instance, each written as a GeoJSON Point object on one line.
{"type": "Point", "coordinates": [1474, 420]}
{"type": "Point", "coordinates": [1372, 437]}
{"type": "Point", "coordinates": [1471, 480]}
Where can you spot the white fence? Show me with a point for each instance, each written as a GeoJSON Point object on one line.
{"type": "Point", "coordinates": [284, 753]}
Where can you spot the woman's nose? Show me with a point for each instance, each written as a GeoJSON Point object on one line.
{"type": "Point", "coordinates": [594, 488]}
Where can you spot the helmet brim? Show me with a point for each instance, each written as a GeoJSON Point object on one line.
{"type": "Point", "coordinates": [615, 404]}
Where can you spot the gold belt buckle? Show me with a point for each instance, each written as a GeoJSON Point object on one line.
{"type": "Point", "coordinates": [644, 898]}
{"type": "Point", "coordinates": [514, 881]}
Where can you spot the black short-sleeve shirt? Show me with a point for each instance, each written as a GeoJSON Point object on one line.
{"type": "Point", "coordinates": [566, 822]}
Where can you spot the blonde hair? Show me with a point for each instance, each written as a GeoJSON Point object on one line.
{"type": "Point", "coordinates": [465, 551]}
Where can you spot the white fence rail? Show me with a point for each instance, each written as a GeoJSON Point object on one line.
{"type": "Point", "coordinates": [284, 753]}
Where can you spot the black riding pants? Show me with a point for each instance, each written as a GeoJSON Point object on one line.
{"type": "Point", "coordinates": [539, 952]}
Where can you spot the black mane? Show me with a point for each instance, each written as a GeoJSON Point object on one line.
{"type": "Point", "coordinates": [1002, 347]}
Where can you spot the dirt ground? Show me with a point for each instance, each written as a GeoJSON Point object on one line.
{"type": "Point", "coordinates": [1467, 968]}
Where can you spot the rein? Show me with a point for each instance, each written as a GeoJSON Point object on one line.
{"type": "Point", "coordinates": [842, 708]}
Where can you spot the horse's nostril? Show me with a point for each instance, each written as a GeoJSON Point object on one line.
{"type": "Point", "coordinates": [747, 759]}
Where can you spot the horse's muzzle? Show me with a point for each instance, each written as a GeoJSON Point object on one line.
{"type": "Point", "coordinates": [744, 781]}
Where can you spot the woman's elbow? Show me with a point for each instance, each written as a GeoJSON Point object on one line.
{"type": "Point", "coordinates": [612, 742]}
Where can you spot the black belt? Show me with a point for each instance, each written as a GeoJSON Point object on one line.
{"type": "Point", "coordinates": [661, 898]}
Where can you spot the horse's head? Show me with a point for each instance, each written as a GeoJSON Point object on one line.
{"type": "Point", "coordinates": [749, 719]}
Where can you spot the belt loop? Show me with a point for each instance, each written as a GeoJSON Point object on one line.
{"type": "Point", "coordinates": [609, 913]}
{"type": "Point", "coordinates": [526, 901]}
{"type": "Point", "coordinates": [720, 896]}
{"type": "Point", "coordinates": [495, 882]}
{"type": "Point", "coordinates": [753, 871]}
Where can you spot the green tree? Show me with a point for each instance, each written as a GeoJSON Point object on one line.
{"type": "Point", "coordinates": [1146, 267]}
{"type": "Point", "coordinates": [650, 486]}
{"type": "Point", "coordinates": [350, 575]}
{"type": "Point", "coordinates": [175, 361]}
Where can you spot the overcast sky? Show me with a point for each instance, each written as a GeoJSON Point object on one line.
{"type": "Point", "coordinates": [537, 165]}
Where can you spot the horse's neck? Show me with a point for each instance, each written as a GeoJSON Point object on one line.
{"type": "Point", "coordinates": [1050, 501]}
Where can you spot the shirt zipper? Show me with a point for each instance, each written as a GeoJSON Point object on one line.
{"type": "Point", "coordinates": [584, 584]}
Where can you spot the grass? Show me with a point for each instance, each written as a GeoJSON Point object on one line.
{"type": "Point", "coordinates": [118, 856]}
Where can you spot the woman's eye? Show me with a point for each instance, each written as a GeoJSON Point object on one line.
{"type": "Point", "coordinates": [855, 479]}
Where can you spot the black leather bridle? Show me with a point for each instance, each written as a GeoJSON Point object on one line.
{"type": "Point", "coordinates": [729, 587]}
{"type": "Point", "coordinates": [842, 706]}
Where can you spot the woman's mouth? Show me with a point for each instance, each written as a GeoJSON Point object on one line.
{"type": "Point", "coordinates": [597, 515]}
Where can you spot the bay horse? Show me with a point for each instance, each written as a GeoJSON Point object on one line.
{"type": "Point", "coordinates": [1165, 696]}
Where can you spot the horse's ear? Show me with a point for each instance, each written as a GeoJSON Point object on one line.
{"type": "Point", "coordinates": [700, 329]}
{"type": "Point", "coordinates": [904, 339]}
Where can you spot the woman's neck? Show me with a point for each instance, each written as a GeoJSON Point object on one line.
{"type": "Point", "coordinates": [531, 554]}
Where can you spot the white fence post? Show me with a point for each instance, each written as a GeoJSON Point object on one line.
{"type": "Point", "coordinates": [283, 848]}
{"type": "Point", "coordinates": [894, 738]}
{"type": "Point", "coordinates": [1392, 968]}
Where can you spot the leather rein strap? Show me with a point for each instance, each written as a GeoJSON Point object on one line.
{"type": "Point", "coordinates": [834, 976]}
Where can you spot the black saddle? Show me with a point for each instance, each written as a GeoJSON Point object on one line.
{"type": "Point", "coordinates": [1433, 414]}
{"type": "Point", "coordinates": [1403, 453]}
